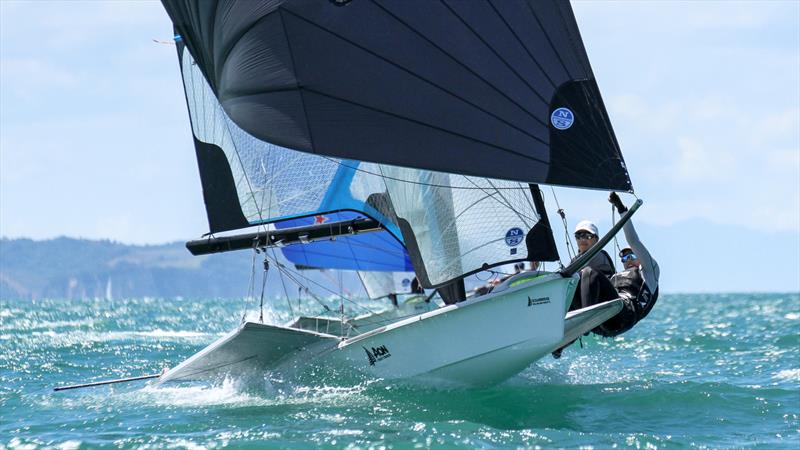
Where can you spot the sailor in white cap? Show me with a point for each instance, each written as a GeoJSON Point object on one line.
{"type": "Point", "coordinates": [595, 285]}
{"type": "Point", "coordinates": [586, 236]}
{"type": "Point", "coordinates": [637, 284]}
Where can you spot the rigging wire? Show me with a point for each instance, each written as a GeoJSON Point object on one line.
{"type": "Point", "coordinates": [252, 284]}
{"type": "Point", "coordinates": [616, 243]}
{"type": "Point", "coordinates": [314, 296]}
{"type": "Point", "coordinates": [563, 215]}
{"type": "Point", "coordinates": [283, 283]}
{"type": "Point", "coordinates": [300, 285]}
{"type": "Point", "coordinates": [289, 274]}
{"type": "Point", "coordinates": [263, 288]}
{"type": "Point", "coordinates": [341, 304]}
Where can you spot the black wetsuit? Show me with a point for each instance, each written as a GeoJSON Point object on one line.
{"type": "Point", "coordinates": [637, 287]}
{"type": "Point", "coordinates": [595, 285]}
{"type": "Point", "coordinates": [637, 300]}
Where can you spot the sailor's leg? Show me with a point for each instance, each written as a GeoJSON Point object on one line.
{"type": "Point", "coordinates": [595, 288]}
{"type": "Point", "coordinates": [622, 322]}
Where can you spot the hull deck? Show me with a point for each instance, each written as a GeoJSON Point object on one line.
{"type": "Point", "coordinates": [481, 341]}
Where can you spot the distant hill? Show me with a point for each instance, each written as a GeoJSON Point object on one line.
{"type": "Point", "coordinates": [694, 257]}
{"type": "Point", "coordinates": [78, 268]}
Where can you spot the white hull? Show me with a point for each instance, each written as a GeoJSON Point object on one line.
{"type": "Point", "coordinates": [480, 341]}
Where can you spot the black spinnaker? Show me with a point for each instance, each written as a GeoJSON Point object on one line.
{"type": "Point", "coordinates": [491, 89]}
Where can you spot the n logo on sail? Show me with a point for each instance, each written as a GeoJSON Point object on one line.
{"type": "Point", "coordinates": [562, 118]}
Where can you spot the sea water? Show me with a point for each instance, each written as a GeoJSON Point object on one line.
{"type": "Point", "coordinates": [702, 371]}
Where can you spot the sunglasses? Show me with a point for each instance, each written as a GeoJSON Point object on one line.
{"type": "Point", "coordinates": [628, 257]}
{"type": "Point", "coordinates": [585, 236]}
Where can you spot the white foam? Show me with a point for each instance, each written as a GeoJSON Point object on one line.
{"type": "Point", "coordinates": [228, 393]}
{"type": "Point", "coordinates": [792, 316]}
{"type": "Point", "coordinates": [159, 334]}
{"type": "Point", "coordinates": [188, 445]}
{"type": "Point", "coordinates": [69, 445]}
{"type": "Point", "coordinates": [788, 374]}
{"type": "Point", "coordinates": [166, 333]}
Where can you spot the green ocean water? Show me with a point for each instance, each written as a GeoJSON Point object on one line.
{"type": "Point", "coordinates": [702, 371]}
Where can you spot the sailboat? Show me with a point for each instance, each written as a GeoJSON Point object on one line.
{"type": "Point", "coordinates": [389, 136]}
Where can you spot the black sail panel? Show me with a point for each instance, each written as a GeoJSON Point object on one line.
{"type": "Point", "coordinates": [591, 129]}
{"type": "Point", "coordinates": [474, 88]}
{"type": "Point", "coordinates": [219, 190]}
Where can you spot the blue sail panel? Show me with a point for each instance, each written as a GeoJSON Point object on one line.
{"type": "Point", "coordinates": [375, 252]}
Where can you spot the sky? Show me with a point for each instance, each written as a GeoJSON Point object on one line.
{"type": "Point", "coordinates": [704, 98]}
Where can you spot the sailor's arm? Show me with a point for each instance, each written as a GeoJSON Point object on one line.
{"type": "Point", "coordinates": [651, 271]}
{"type": "Point", "coordinates": [634, 242]}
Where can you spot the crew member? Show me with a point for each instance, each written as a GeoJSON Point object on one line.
{"type": "Point", "coordinates": [637, 285]}
{"type": "Point", "coordinates": [595, 285]}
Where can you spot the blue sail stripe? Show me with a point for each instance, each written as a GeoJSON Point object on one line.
{"type": "Point", "coordinates": [377, 251]}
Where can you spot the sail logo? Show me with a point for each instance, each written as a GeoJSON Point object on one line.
{"type": "Point", "coordinates": [375, 354]}
{"type": "Point", "coordinates": [538, 301]}
{"type": "Point", "coordinates": [514, 236]}
{"type": "Point", "coordinates": [562, 118]}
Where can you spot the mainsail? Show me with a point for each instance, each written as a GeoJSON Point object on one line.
{"type": "Point", "coordinates": [430, 117]}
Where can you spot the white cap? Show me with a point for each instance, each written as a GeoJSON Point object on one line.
{"type": "Point", "coordinates": [587, 225]}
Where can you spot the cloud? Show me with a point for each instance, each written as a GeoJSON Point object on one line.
{"type": "Point", "coordinates": [712, 158]}
{"type": "Point", "coordinates": [777, 124]}
{"type": "Point", "coordinates": [699, 163]}
{"type": "Point", "coordinates": [705, 102]}
{"type": "Point", "coordinates": [727, 164]}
